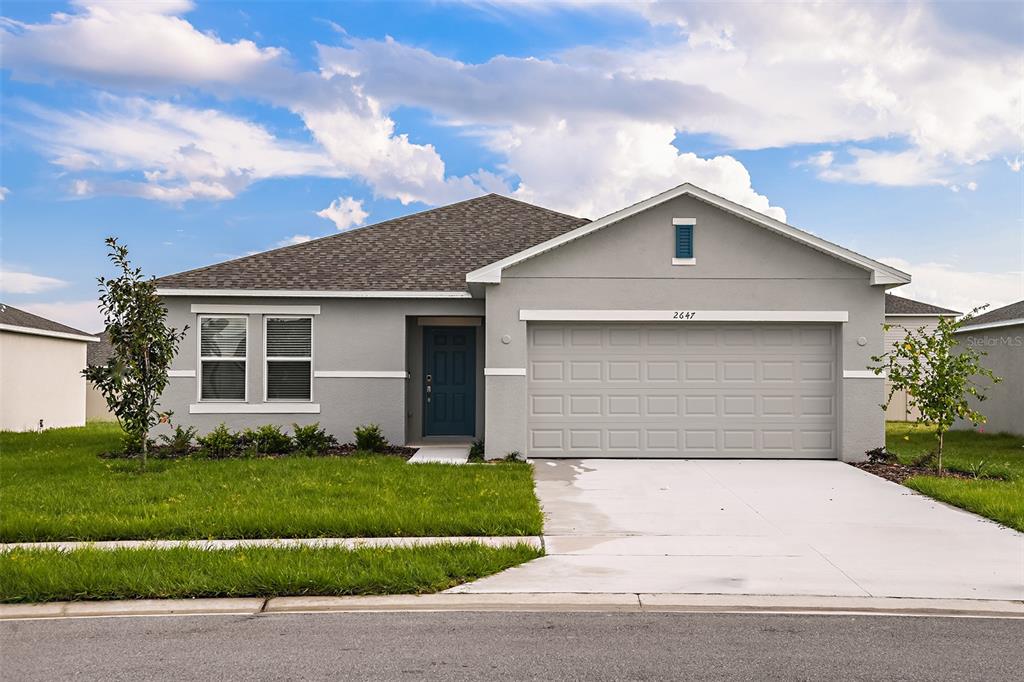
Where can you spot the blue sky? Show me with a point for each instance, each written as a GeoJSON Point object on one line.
{"type": "Point", "coordinates": [201, 132]}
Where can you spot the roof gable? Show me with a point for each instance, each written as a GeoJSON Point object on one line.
{"type": "Point", "coordinates": [879, 272]}
{"type": "Point", "coordinates": [21, 321]}
{"type": "Point", "coordinates": [897, 305]}
{"type": "Point", "coordinates": [1006, 316]}
{"type": "Point", "coordinates": [422, 253]}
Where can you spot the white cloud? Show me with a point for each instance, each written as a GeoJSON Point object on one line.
{"type": "Point", "coordinates": [129, 43]}
{"type": "Point", "coordinates": [945, 285]}
{"type": "Point", "coordinates": [21, 282]}
{"type": "Point", "coordinates": [901, 169]}
{"type": "Point", "coordinates": [344, 212]}
{"type": "Point", "coordinates": [177, 153]}
{"type": "Point", "coordinates": [83, 315]}
{"type": "Point", "coordinates": [3, 193]}
{"type": "Point", "coordinates": [294, 239]}
{"type": "Point", "coordinates": [593, 170]}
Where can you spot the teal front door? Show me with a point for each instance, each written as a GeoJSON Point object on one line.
{"type": "Point", "coordinates": [449, 381]}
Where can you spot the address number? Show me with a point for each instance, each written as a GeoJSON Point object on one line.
{"type": "Point", "coordinates": [683, 315]}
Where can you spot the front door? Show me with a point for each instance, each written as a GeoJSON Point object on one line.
{"type": "Point", "coordinates": [449, 381]}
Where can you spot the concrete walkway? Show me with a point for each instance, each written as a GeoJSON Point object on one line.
{"type": "Point", "coordinates": [348, 543]}
{"type": "Point", "coordinates": [756, 528]}
{"type": "Point", "coordinates": [441, 454]}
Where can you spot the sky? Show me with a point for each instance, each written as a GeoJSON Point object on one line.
{"type": "Point", "coordinates": [200, 132]}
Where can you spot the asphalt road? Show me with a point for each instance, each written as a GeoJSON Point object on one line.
{"type": "Point", "coordinates": [548, 646]}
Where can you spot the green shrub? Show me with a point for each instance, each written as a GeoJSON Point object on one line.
{"type": "Point", "coordinates": [268, 439]}
{"type": "Point", "coordinates": [131, 445]}
{"type": "Point", "coordinates": [311, 440]}
{"type": "Point", "coordinates": [476, 451]}
{"type": "Point", "coordinates": [513, 456]}
{"type": "Point", "coordinates": [220, 442]}
{"type": "Point", "coordinates": [179, 442]}
{"type": "Point", "coordinates": [369, 438]}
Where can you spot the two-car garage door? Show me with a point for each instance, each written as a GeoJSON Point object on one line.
{"type": "Point", "coordinates": [682, 390]}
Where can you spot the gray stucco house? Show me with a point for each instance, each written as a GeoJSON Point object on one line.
{"type": "Point", "coordinates": [906, 313]}
{"type": "Point", "coordinates": [1000, 334]}
{"type": "Point", "coordinates": [683, 326]}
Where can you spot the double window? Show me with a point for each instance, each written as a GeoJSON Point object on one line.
{"type": "Point", "coordinates": [223, 358]}
{"type": "Point", "coordinates": [289, 351]}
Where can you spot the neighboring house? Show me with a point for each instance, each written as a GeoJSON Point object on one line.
{"type": "Point", "coordinates": [685, 325]}
{"type": "Point", "coordinates": [41, 363]}
{"type": "Point", "coordinates": [1000, 334]}
{"type": "Point", "coordinates": [908, 314]}
{"type": "Point", "coordinates": [95, 404]}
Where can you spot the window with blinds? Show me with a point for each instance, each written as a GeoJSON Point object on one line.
{"type": "Point", "coordinates": [289, 354]}
{"type": "Point", "coordinates": [222, 358]}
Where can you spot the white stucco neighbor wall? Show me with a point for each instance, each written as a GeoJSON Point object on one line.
{"type": "Point", "coordinates": [898, 409]}
{"type": "Point", "coordinates": [1004, 355]}
{"type": "Point", "coordinates": [40, 379]}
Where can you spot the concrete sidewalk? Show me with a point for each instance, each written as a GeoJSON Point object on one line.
{"type": "Point", "coordinates": [518, 602]}
{"type": "Point", "coordinates": [348, 543]}
{"type": "Point", "coordinates": [749, 527]}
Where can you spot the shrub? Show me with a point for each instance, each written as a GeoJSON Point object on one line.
{"type": "Point", "coordinates": [179, 442]}
{"type": "Point", "coordinates": [267, 439]}
{"type": "Point", "coordinates": [131, 444]}
{"type": "Point", "coordinates": [513, 456]}
{"type": "Point", "coordinates": [312, 439]}
{"type": "Point", "coordinates": [476, 452]}
{"type": "Point", "coordinates": [880, 455]}
{"type": "Point", "coordinates": [369, 438]}
{"type": "Point", "coordinates": [220, 442]}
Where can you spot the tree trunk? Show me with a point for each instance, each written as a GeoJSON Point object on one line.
{"type": "Point", "coordinates": [145, 447]}
{"type": "Point", "coordinates": [941, 433]}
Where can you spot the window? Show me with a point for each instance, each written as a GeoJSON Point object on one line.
{"type": "Point", "coordinates": [222, 358]}
{"type": "Point", "coordinates": [684, 241]}
{"type": "Point", "coordinates": [289, 350]}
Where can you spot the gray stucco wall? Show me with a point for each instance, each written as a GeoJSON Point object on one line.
{"type": "Point", "coordinates": [349, 334]}
{"type": "Point", "coordinates": [740, 266]}
{"type": "Point", "coordinates": [1004, 407]}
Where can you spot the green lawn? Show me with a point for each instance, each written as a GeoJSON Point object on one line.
{"type": "Point", "coordinates": [999, 455]}
{"type": "Point", "coordinates": [50, 575]}
{"type": "Point", "coordinates": [54, 487]}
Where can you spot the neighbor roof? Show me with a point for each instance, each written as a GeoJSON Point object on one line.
{"type": "Point", "coordinates": [1000, 317]}
{"type": "Point", "coordinates": [897, 305]}
{"type": "Point", "coordinates": [429, 251]}
{"type": "Point", "coordinates": [99, 353]}
{"type": "Point", "coordinates": [16, 320]}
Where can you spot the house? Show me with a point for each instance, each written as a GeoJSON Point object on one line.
{"type": "Point", "coordinates": [95, 404]}
{"type": "Point", "coordinates": [902, 314]}
{"type": "Point", "coordinates": [1000, 334]}
{"type": "Point", "coordinates": [685, 325]}
{"type": "Point", "coordinates": [41, 363]}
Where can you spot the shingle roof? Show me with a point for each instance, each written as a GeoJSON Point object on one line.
{"type": "Point", "coordinates": [897, 305]}
{"type": "Point", "coordinates": [1014, 311]}
{"type": "Point", "coordinates": [20, 318]}
{"type": "Point", "coordinates": [99, 353]}
{"type": "Point", "coordinates": [428, 251]}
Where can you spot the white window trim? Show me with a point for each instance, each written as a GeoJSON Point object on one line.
{"type": "Point", "coordinates": [692, 222]}
{"type": "Point", "coordinates": [267, 359]}
{"type": "Point", "coordinates": [241, 309]}
{"type": "Point", "coordinates": [254, 408]}
{"type": "Point", "coordinates": [199, 363]}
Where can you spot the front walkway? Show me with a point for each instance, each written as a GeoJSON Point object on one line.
{"type": "Point", "coordinates": [756, 527]}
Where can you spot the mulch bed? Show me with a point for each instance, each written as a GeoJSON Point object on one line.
{"type": "Point", "coordinates": [897, 473]}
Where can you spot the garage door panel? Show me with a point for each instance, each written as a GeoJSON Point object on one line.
{"type": "Point", "coordinates": [660, 390]}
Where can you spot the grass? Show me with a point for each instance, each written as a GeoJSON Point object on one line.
{"type": "Point", "coordinates": [54, 487]}
{"type": "Point", "coordinates": [1000, 455]}
{"type": "Point", "coordinates": [51, 575]}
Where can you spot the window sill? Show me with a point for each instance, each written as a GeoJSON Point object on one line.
{"type": "Point", "coordinates": [684, 261]}
{"type": "Point", "coordinates": [254, 408]}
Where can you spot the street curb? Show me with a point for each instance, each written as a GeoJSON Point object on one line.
{"type": "Point", "coordinates": [536, 602]}
{"type": "Point", "coordinates": [348, 543]}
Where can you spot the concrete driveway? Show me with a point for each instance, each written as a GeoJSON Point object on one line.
{"type": "Point", "coordinates": [756, 527]}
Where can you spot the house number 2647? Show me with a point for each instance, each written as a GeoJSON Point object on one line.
{"type": "Point", "coordinates": [683, 315]}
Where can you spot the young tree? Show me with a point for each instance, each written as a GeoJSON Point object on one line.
{"type": "Point", "coordinates": [143, 347]}
{"type": "Point", "coordinates": [937, 374]}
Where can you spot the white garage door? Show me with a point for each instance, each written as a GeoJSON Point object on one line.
{"type": "Point", "coordinates": [682, 390]}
